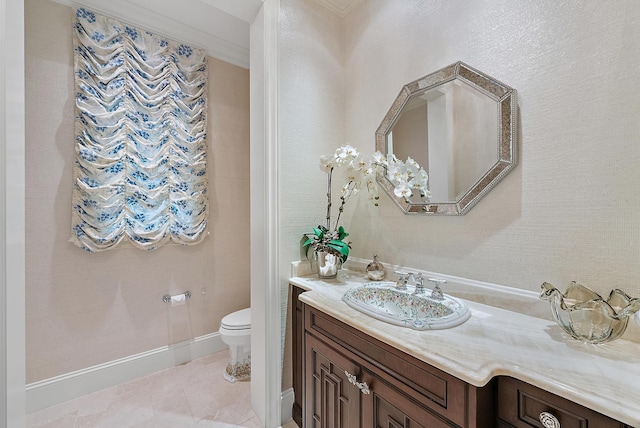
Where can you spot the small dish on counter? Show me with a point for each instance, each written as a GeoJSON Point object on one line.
{"type": "Point", "coordinates": [587, 316]}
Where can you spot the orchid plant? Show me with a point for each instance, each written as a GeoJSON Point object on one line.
{"type": "Point", "coordinates": [330, 237]}
{"type": "Point", "coordinates": [361, 172]}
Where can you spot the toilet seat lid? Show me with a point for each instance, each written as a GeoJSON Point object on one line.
{"type": "Point", "coordinates": [238, 320]}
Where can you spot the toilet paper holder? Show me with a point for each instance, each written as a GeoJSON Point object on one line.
{"type": "Point", "coordinates": [167, 298]}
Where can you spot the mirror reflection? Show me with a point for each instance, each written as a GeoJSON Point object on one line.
{"type": "Point", "coordinates": [458, 124]}
{"type": "Point", "coordinates": [453, 124]}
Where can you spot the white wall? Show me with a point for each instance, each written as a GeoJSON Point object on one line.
{"type": "Point", "coordinates": [570, 210]}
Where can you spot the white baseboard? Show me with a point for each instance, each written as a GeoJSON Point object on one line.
{"type": "Point", "coordinates": [59, 389]}
{"type": "Point", "coordinates": [286, 401]}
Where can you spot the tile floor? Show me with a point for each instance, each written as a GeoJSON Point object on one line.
{"type": "Point", "coordinates": [190, 395]}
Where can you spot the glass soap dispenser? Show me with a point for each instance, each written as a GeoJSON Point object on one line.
{"type": "Point", "coordinates": [375, 270]}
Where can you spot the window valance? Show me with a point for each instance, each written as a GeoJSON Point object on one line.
{"type": "Point", "coordinates": [140, 170]}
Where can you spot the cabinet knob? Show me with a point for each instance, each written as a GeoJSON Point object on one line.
{"type": "Point", "coordinates": [362, 386]}
{"type": "Point", "coordinates": [549, 421]}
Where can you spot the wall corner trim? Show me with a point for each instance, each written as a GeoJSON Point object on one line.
{"type": "Point", "coordinates": [58, 389]}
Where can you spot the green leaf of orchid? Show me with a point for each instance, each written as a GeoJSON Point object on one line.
{"type": "Point", "coordinates": [342, 233]}
{"type": "Point", "coordinates": [341, 247]}
{"type": "Point", "coordinates": [318, 232]}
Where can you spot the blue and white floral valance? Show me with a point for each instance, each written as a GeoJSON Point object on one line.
{"type": "Point", "coordinates": [140, 170]}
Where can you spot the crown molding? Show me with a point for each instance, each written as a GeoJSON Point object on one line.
{"type": "Point", "coordinates": [339, 7]}
{"type": "Point", "coordinates": [246, 10]}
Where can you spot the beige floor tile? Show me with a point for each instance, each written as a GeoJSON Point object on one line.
{"type": "Point", "coordinates": [65, 421]}
{"type": "Point", "coordinates": [254, 422]}
{"type": "Point", "coordinates": [192, 395]}
{"type": "Point", "coordinates": [290, 424]}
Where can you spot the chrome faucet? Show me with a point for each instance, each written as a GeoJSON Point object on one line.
{"type": "Point", "coordinates": [417, 279]}
{"type": "Point", "coordinates": [436, 292]}
{"type": "Point", "coordinates": [403, 280]}
{"type": "Point", "coordinates": [401, 283]}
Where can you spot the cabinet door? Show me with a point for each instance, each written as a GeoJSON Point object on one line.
{"type": "Point", "coordinates": [387, 407]}
{"type": "Point", "coordinates": [331, 400]}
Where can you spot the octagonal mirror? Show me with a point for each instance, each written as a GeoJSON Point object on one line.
{"type": "Point", "coordinates": [459, 125]}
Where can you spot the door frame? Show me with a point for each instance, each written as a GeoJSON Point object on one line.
{"type": "Point", "coordinates": [12, 206]}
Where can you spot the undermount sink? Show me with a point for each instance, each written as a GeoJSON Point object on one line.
{"type": "Point", "coordinates": [383, 301]}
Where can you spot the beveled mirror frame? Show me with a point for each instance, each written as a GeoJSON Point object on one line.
{"type": "Point", "coordinates": [506, 146]}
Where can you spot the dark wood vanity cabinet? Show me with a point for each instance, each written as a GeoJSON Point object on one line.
{"type": "Point", "coordinates": [404, 391]}
{"type": "Point", "coordinates": [520, 406]}
{"type": "Point", "coordinates": [388, 388]}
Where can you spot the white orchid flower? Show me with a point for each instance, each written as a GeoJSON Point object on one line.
{"type": "Point", "coordinates": [369, 173]}
{"type": "Point", "coordinates": [379, 158]}
{"type": "Point", "coordinates": [355, 169]}
{"type": "Point", "coordinates": [369, 176]}
{"type": "Point", "coordinates": [358, 163]}
{"type": "Point", "coordinates": [402, 190]}
{"type": "Point", "coordinates": [419, 181]}
{"type": "Point", "coordinates": [345, 154]}
{"type": "Point", "coordinates": [412, 167]}
{"type": "Point", "coordinates": [415, 183]}
{"type": "Point", "coordinates": [393, 160]}
{"type": "Point", "coordinates": [422, 190]}
{"type": "Point", "coordinates": [423, 175]}
{"type": "Point", "coordinates": [326, 163]}
{"type": "Point", "coordinates": [398, 173]}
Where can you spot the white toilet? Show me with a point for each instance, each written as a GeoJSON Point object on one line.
{"type": "Point", "coordinates": [235, 331]}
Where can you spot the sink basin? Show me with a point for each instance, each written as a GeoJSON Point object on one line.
{"type": "Point", "coordinates": [383, 301]}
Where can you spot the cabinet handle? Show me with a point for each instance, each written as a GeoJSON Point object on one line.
{"type": "Point", "coordinates": [362, 386]}
{"type": "Point", "coordinates": [549, 421]}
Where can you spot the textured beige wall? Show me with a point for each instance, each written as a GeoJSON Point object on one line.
{"type": "Point", "coordinates": [85, 309]}
{"type": "Point", "coordinates": [569, 211]}
{"type": "Point", "coordinates": [311, 112]}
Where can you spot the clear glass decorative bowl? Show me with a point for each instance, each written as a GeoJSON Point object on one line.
{"type": "Point", "coordinates": [588, 317]}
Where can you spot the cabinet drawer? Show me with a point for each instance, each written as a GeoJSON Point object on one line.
{"type": "Point", "coordinates": [434, 388]}
{"type": "Point", "coordinates": [520, 405]}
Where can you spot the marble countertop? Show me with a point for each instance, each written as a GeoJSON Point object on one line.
{"type": "Point", "coordinates": [495, 342]}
